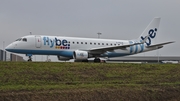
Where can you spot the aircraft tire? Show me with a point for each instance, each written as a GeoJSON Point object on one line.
{"type": "Point", "coordinates": [97, 60]}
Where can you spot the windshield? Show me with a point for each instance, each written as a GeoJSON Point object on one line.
{"type": "Point", "coordinates": [22, 39]}
{"type": "Point", "coordinates": [19, 39]}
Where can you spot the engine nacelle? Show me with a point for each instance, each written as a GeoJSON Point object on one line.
{"type": "Point", "coordinates": [80, 55]}
{"type": "Point", "coordinates": [62, 58]}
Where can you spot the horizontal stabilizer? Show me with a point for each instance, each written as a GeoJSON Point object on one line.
{"type": "Point", "coordinates": [161, 44]}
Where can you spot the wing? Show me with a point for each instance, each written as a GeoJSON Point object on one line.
{"type": "Point", "coordinates": [101, 50]}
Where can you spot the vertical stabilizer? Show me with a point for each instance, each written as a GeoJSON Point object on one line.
{"type": "Point", "coordinates": [150, 31]}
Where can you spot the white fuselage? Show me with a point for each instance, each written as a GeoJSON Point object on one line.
{"type": "Point", "coordinates": [65, 46]}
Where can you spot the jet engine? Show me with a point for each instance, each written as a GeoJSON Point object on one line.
{"type": "Point", "coordinates": [80, 55]}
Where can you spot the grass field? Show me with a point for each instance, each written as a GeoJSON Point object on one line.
{"type": "Point", "coordinates": [88, 81]}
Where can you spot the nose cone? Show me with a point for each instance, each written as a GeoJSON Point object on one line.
{"type": "Point", "coordinates": [9, 48]}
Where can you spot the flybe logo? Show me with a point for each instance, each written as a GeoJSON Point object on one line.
{"type": "Point", "coordinates": [152, 35]}
{"type": "Point", "coordinates": [57, 43]}
{"type": "Point", "coordinates": [140, 47]}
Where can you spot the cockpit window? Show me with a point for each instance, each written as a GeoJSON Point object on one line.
{"type": "Point", "coordinates": [24, 39]}
{"type": "Point", "coordinates": [19, 39]}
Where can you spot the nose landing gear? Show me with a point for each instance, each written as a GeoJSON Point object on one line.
{"type": "Point", "coordinates": [30, 57]}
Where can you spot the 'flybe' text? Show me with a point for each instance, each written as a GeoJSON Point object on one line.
{"type": "Point", "coordinates": [140, 47]}
{"type": "Point", "coordinates": [152, 35]}
{"type": "Point", "coordinates": [57, 43]}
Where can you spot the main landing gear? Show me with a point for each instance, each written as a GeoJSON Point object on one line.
{"type": "Point", "coordinates": [97, 60]}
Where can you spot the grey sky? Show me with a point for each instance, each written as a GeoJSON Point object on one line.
{"type": "Point", "coordinates": [115, 19]}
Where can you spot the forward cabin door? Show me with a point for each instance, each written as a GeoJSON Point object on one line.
{"type": "Point", "coordinates": [38, 42]}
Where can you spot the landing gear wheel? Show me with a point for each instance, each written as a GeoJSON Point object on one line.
{"type": "Point", "coordinates": [97, 60]}
{"type": "Point", "coordinates": [30, 59]}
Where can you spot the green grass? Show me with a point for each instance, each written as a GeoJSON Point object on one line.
{"type": "Point", "coordinates": [46, 75]}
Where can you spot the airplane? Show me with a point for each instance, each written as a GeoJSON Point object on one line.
{"type": "Point", "coordinates": [81, 49]}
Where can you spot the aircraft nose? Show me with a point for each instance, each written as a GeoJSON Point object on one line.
{"type": "Point", "coordinates": [9, 47]}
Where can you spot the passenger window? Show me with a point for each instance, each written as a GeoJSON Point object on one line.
{"type": "Point", "coordinates": [81, 42]}
{"type": "Point", "coordinates": [94, 43]}
{"type": "Point", "coordinates": [102, 43]}
{"type": "Point", "coordinates": [90, 43]}
{"type": "Point", "coordinates": [98, 43]}
{"type": "Point", "coordinates": [85, 42]}
{"type": "Point", "coordinates": [77, 42]}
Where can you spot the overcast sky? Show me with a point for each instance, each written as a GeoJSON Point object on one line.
{"type": "Point", "coordinates": [115, 19]}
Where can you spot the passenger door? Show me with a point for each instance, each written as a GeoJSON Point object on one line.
{"type": "Point", "coordinates": [38, 41]}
